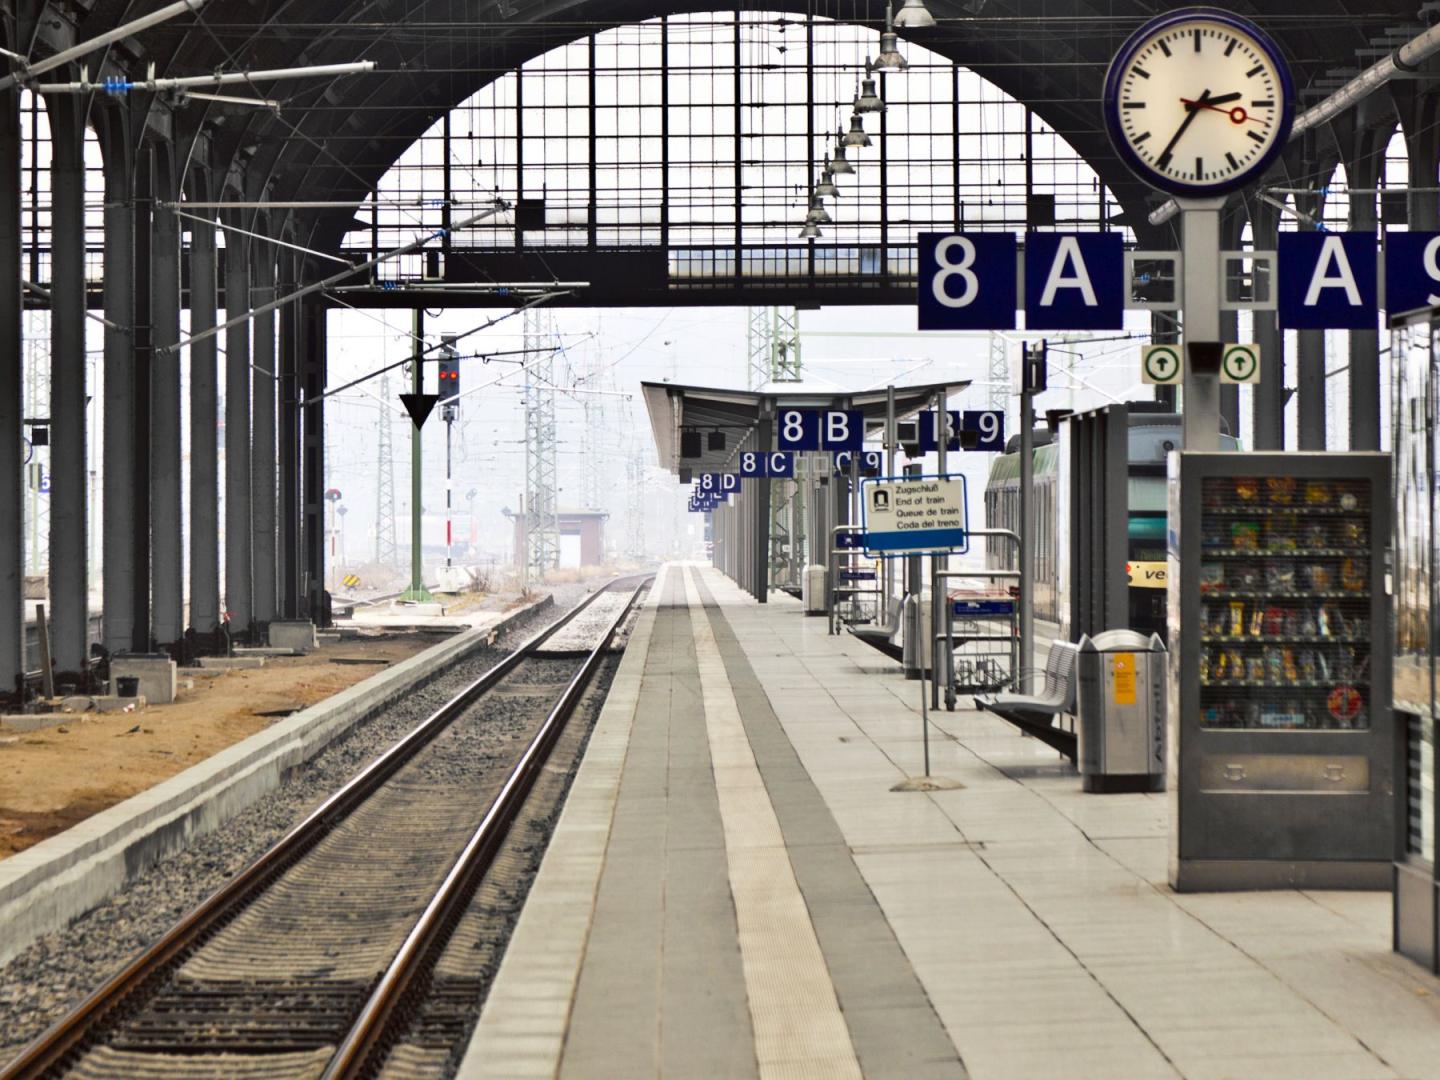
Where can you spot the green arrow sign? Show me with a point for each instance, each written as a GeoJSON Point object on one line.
{"type": "Point", "coordinates": [1160, 364]}
{"type": "Point", "coordinates": [1240, 364]}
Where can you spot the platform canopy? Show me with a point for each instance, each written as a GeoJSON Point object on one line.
{"type": "Point", "coordinates": [674, 408]}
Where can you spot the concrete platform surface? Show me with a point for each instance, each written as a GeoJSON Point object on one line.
{"type": "Point", "coordinates": [734, 890]}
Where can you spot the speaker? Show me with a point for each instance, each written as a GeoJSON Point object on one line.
{"type": "Point", "coordinates": [716, 440]}
{"type": "Point", "coordinates": [690, 444]}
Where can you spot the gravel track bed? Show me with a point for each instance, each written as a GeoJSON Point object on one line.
{"type": "Point", "coordinates": [584, 633]}
{"type": "Point", "coordinates": [57, 971]}
{"type": "Point", "coordinates": [439, 1031]}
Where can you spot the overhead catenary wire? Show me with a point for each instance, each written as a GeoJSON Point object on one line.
{"type": "Point", "coordinates": [334, 279]}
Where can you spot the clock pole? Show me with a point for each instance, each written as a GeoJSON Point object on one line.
{"type": "Point", "coordinates": [1200, 318]}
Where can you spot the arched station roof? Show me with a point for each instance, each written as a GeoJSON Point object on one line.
{"type": "Point", "coordinates": [334, 141]}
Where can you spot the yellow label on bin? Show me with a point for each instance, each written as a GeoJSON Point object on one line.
{"type": "Point", "coordinates": [1146, 575]}
{"type": "Point", "coordinates": [1122, 667]}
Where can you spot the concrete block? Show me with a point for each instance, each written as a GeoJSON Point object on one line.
{"type": "Point", "coordinates": [329, 637]}
{"type": "Point", "coordinates": [156, 674]}
{"type": "Point", "coordinates": [266, 650]}
{"type": "Point", "coordinates": [228, 663]}
{"type": "Point", "coordinates": [34, 721]}
{"type": "Point", "coordinates": [298, 634]}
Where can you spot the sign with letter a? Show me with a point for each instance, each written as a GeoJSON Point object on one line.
{"type": "Point", "coordinates": [1327, 281]}
{"type": "Point", "coordinates": [1074, 281]}
{"type": "Point", "coordinates": [967, 281]}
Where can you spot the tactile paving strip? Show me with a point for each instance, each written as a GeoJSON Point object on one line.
{"type": "Point", "coordinates": [799, 1029]}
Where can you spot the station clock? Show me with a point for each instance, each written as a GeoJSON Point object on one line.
{"type": "Point", "coordinates": [1198, 102]}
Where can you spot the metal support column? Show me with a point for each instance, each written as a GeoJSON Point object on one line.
{"type": "Point", "coordinates": [12, 625]}
{"type": "Point", "coordinates": [142, 363]}
{"type": "Point", "coordinates": [764, 440]}
{"type": "Point", "coordinates": [1267, 401]}
{"type": "Point", "coordinates": [238, 581]}
{"type": "Point", "coordinates": [291, 335]}
{"type": "Point", "coordinates": [262, 446]}
{"type": "Point", "coordinates": [69, 528]}
{"type": "Point", "coordinates": [1200, 232]}
{"type": "Point", "coordinates": [204, 449]}
{"type": "Point", "coordinates": [118, 446]}
{"type": "Point", "coordinates": [1310, 356]}
{"type": "Point", "coordinates": [312, 457]}
{"type": "Point", "coordinates": [166, 509]}
{"type": "Point", "coordinates": [1027, 533]}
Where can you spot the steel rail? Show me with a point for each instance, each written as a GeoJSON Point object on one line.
{"type": "Point", "coordinates": [49, 1049]}
{"type": "Point", "coordinates": [366, 1036]}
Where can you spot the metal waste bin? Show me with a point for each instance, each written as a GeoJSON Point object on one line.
{"type": "Point", "coordinates": [1121, 711]}
{"type": "Point", "coordinates": [814, 585]}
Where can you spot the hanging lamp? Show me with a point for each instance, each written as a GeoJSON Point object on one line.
{"type": "Point", "coordinates": [867, 100]}
{"type": "Point", "coordinates": [914, 15]}
{"type": "Point", "coordinates": [856, 135]}
{"type": "Point", "coordinates": [810, 231]}
{"type": "Point", "coordinates": [818, 215]}
{"type": "Point", "coordinates": [839, 164]}
{"type": "Point", "coordinates": [889, 58]}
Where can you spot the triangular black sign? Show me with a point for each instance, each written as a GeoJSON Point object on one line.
{"type": "Point", "coordinates": [419, 406]}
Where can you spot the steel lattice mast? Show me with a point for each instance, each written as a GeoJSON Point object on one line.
{"type": "Point", "coordinates": [386, 550]}
{"type": "Point", "coordinates": [542, 522]}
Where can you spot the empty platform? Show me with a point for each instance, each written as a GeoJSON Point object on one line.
{"type": "Point", "coordinates": [734, 889]}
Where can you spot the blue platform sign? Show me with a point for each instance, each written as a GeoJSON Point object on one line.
{"type": "Point", "coordinates": [780, 464]}
{"type": "Point", "coordinates": [849, 541]}
{"type": "Point", "coordinates": [1327, 281]}
{"type": "Point", "coordinates": [871, 462]}
{"type": "Point", "coordinates": [990, 424]}
{"type": "Point", "coordinates": [729, 482]}
{"type": "Point", "coordinates": [966, 281]}
{"type": "Point", "coordinates": [1074, 281]}
{"type": "Point", "coordinates": [798, 429]}
{"type": "Point", "coordinates": [930, 438]}
{"type": "Point", "coordinates": [752, 464]}
{"type": "Point", "coordinates": [1412, 270]}
{"type": "Point", "coordinates": [842, 429]}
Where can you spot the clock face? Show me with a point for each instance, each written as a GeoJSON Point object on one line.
{"type": "Point", "coordinates": [1198, 103]}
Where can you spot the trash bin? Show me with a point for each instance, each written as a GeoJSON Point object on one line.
{"type": "Point", "coordinates": [813, 588]}
{"type": "Point", "coordinates": [127, 686]}
{"type": "Point", "coordinates": [1121, 711]}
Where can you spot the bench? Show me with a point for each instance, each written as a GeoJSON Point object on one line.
{"type": "Point", "coordinates": [885, 638]}
{"type": "Point", "coordinates": [1036, 714]}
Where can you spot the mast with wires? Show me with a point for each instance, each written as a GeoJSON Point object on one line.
{"type": "Point", "coordinates": [773, 346]}
{"type": "Point", "coordinates": [592, 464]}
{"type": "Point", "coordinates": [386, 550]}
{"type": "Point", "coordinates": [999, 374]}
{"type": "Point", "coordinates": [542, 520]}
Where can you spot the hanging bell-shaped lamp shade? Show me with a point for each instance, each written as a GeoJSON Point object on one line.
{"type": "Point", "coordinates": [825, 186]}
{"type": "Point", "coordinates": [914, 15]}
{"type": "Point", "coordinates": [867, 100]}
{"type": "Point", "coordinates": [839, 164]}
{"type": "Point", "coordinates": [810, 231]}
{"type": "Point", "coordinates": [890, 58]}
{"type": "Point", "coordinates": [818, 214]}
{"type": "Point", "coordinates": [856, 135]}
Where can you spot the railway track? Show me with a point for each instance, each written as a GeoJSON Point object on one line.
{"type": "Point", "coordinates": [356, 944]}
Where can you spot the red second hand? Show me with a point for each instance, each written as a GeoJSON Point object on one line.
{"type": "Point", "coordinates": [1237, 115]}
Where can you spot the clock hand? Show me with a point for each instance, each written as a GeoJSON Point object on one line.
{"type": "Point", "coordinates": [1192, 110]}
{"type": "Point", "coordinates": [1237, 115]}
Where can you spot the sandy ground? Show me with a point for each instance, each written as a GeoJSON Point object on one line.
{"type": "Point", "coordinates": [56, 776]}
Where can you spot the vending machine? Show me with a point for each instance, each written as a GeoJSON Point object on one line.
{"type": "Point", "coordinates": [1281, 751]}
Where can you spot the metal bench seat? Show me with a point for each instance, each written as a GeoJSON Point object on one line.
{"type": "Point", "coordinates": [885, 638]}
{"type": "Point", "coordinates": [1035, 714]}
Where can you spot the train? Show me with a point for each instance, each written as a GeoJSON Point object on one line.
{"type": "Point", "coordinates": [1152, 436]}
